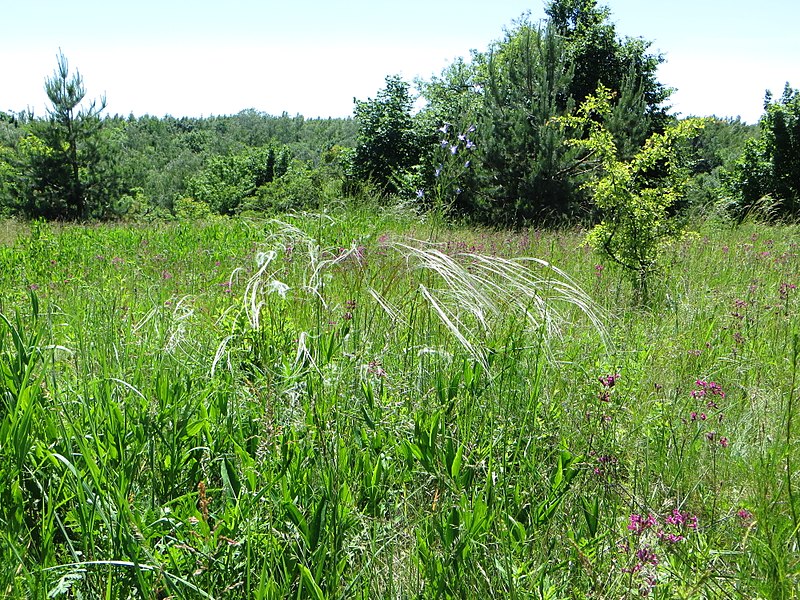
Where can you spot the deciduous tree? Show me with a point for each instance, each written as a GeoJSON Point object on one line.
{"type": "Point", "coordinates": [770, 165]}
{"type": "Point", "coordinates": [635, 196]}
{"type": "Point", "coordinates": [388, 147]}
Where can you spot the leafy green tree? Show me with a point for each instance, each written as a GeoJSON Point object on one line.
{"type": "Point", "coordinates": [9, 172]}
{"type": "Point", "coordinates": [9, 177]}
{"type": "Point", "coordinates": [388, 146]}
{"type": "Point", "coordinates": [522, 170]}
{"type": "Point", "coordinates": [227, 181]}
{"type": "Point", "coordinates": [718, 147]}
{"type": "Point", "coordinates": [448, 132]}
{"type": "Point", "coordinates": [635, 197]}
{"type": "Point", "coordinates": [770, 165]}
{"type": "Point", "coordinates": [69, 160]}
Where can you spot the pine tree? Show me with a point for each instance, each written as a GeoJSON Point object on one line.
{"type": "Point", "coordinates": [69, 164]}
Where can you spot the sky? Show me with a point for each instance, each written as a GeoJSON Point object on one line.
{"type": "Point", "coordinates": [313, 57]}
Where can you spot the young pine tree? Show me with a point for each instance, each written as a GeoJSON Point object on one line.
{"type": "Point", "coordinates": [68, 159]}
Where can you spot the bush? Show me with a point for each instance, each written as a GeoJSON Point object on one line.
{"type": "Point", "coordinates": [300, 188]}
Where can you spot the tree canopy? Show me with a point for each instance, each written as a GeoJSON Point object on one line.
{"type": "Point", "coordinates": [767, 177]}
{"type": "Point", "coordinates": [484, 146]}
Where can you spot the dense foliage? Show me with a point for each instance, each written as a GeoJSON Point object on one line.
{"type": "Point", "coordinates": [388, 146]}
{"type": "Point", "coordinates": [767, 177]}
{"type": "Point", "coordinates": [635, 197]}
{"type": "Point", "coordinates": [484, 146]}
{"type": "Point", "coordinates": [523, 170]}
{"type": "Point", "coordinates": [156, 161]}
{"type": "Point", "coordinates": [68, 163]}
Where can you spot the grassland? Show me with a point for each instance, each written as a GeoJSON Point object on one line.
{"type": "Point", "coordinates": [356, 406]}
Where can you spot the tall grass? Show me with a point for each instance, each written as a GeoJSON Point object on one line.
{"type": "Point", "coordinates": [333, 407]}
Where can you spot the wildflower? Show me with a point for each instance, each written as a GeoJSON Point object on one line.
{"type": "Point", "coordinates": [670, 538]}
{"type": "Point", "coordinates": [785, 288]}
{"type": "Point", "coordinates": [166, 274]}
{"type": "Point", "coordinates": [705, 388]}
{"type": "Point", "coordinates": [639, 523]}
{"type": "Point", "coordinates": [420, 194]}
{"type": "Point", "coordinates": [609, 380]}
{"type": "Point", "coordinates": [646, 556]}
{"type": "Point", "coordinates": [604, 462]}
{"type": "Point", "coordinates": [676, 518]}
{"type": "Point", "coordinates": [723, 441]}
{"type": "Point", "coordinates": [745, 516]}
{"type": "Point", "coordinates": [375, 368]}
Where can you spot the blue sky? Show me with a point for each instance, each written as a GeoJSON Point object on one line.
{"type": "Point", "coordinates": [313, 57]}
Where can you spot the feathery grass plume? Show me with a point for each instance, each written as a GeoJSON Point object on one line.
{"type": "Point", "coordinates": [488, 288]}
{"type": "Point", "coordinates": [471, 294]}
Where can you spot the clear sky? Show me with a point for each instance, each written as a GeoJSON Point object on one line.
{"type": "Point", "coordinates": [312, 57]}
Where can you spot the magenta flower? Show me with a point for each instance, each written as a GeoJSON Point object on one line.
{"type": "Point", "coordinates": [744, 515]}
{"type": "Point", "coordinates": [609, 381]}
{"type": "Point", "coordinates": [639, 523]}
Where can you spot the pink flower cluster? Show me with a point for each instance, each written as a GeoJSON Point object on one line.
{"type": "Point", "coordinates": [709, 392]}
{"type": "Point", "coordinates": [608, 382]}
{"type": "Point", "coordinates": [707, 388]}
{"type": "Point", "coordinates": [648, 530]}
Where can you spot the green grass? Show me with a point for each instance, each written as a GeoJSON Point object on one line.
{"type": "Point", "coordinates": [330, 407]}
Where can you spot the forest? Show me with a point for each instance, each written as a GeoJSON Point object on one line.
{"type": "Point", "coordinates": [515, 331]}
{"type": "Point", "coordinates": [516, 167]}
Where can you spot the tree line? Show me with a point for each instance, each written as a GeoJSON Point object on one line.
{"type": "Point", "coordinates": [79, 164]}
{"type": "Point", "coordinates": [490, 143]}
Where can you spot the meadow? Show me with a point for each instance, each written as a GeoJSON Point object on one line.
{"type": "Point", "coordinates": [363, 405]}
